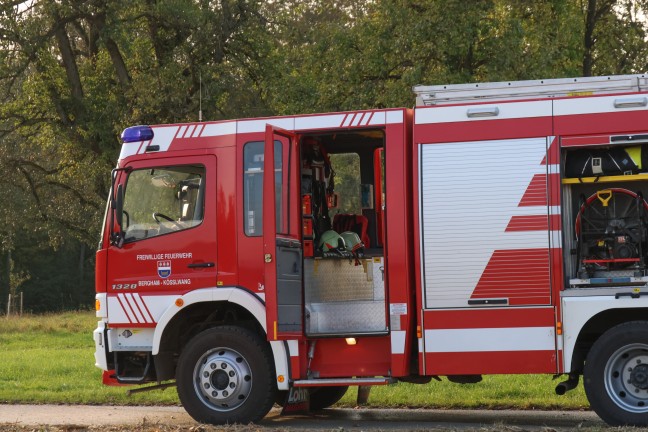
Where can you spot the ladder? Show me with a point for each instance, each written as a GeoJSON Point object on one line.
{"type": "Point", "coordinates": [531, 89]}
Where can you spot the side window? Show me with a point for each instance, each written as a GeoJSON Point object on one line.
{"type": "Point", "coordinates": [253, 186]}
{"type": "Point", "coordinates": [163, 200]}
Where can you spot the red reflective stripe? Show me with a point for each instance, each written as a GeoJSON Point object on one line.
{"type": "Point", "coordinates": [501, 362]}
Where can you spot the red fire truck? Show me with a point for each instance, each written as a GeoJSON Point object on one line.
{"type": "Point", "coordinates": [495, 228]}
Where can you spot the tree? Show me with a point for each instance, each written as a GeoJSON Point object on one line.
{"type": "Point", "coordinates": [615, 34]}
{"type": "Point", "coordinates": [74, 73]}
{"type": "Point", "coordinates": [349, 55]}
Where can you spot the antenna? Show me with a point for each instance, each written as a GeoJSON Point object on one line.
{"type": "Point", "coordinates": [200, 99]}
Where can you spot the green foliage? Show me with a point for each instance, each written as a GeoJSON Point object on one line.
{"type": "Point", "coordinates": [347, 182]}
{"type": "Point", "coordinates": [371, 55]}
{"type": "Point", "coordinates": [74, 73]}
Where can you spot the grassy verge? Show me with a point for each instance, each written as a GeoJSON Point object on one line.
{"type": "Point", "coordinates": [49, 359]}
{"type": "Point", "coordinates": [494, 392]}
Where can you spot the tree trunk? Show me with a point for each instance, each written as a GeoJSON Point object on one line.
{"type": "Point", "coordinates": [118, 63]}
{"type": "Point", "coordinates": [588, 40]}
{"type": "Point", "coordinates": [596, 9]}
{"type": "Point", "coordinates": [4, 279]}
{"type": "Point", "coordinates": [69, 62]}
{"type": "Point", "coordinates": [79, 291]}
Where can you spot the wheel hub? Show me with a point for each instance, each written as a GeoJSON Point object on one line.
{"type": "Point", "coordinates": [639, 376]}
{"type": "Point", "coordinates": [223, 379]}
{"type": "Point", "coordinates": [626, 378]}
{"type": "Point", "coordinates": [220, 380]}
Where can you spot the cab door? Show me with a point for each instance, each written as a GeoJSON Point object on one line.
{"type": "Point", "coordinates": [282, 248]}
{"type": "Point", "coordinates": [169, 236]}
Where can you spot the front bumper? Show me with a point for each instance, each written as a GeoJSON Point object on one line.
{"type": "Point", "coordinates": [101, 348]}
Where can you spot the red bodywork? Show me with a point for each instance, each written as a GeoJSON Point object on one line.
{"type": "Point", "coordinates": [516, 290]}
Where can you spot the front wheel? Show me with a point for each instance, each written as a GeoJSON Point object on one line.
{"type": "Point", "coordinates": [616, 375]}
{"type": "Point", "coordinates": [225, 375]}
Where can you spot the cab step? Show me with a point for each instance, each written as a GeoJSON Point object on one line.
{"type": "Point", "coordinates": [343, 382]}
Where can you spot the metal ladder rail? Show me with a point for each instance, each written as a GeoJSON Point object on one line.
{"type": "Point", "coordinates": [530, 89]}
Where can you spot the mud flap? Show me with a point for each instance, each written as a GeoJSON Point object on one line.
{"type": "Point", "coordinates": [297, 401]}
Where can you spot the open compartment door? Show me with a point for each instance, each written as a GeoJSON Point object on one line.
{"type": "Point", "coordinates": [282, 248]}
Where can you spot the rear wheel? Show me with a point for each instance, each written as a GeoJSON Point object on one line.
{"type": "Point", "coordinates": [226, 375]}
{"type": "Point", "coordinates": [320, 397]}
{"type": "Point", "coordinates": [324, 397]}
{"type": "Point", "coordinates": [616, 375]}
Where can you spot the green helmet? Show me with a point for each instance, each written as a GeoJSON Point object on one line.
{"type": "Point", "coordinates": [330, 240]}
{"type": "Point", "coordinates": [352, 241]}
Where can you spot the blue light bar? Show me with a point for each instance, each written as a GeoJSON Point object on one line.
{"type": "Point", "coordinates": [137, 133]}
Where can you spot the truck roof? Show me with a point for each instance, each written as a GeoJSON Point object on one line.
{"type": "Point", "coordinates": [530, 89]}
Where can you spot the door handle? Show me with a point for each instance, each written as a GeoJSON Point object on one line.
{"type": "Point", "coordinates": [201, 265]}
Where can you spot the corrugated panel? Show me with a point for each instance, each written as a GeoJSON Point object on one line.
{"type": "Point", "coordinates": [470, 193]}
{"type": "Point", "coordinates": [536, 193]}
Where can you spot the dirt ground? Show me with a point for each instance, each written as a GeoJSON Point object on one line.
{"type": "Point", "coordinates": [56, 418]}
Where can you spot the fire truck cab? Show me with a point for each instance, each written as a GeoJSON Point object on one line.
{"type": "Point", "coordinates": [497, 228]}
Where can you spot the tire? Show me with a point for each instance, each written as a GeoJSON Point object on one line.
{"type": "Point", "coordinates": [616, 375]}
{"type": "Point", "coordinates": [324, 397]}
{"type": "Point", "coordinates": [226, 375]}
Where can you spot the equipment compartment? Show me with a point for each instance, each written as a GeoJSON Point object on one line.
{"type": "Point", "coordinates": [342, 204]}
{"type": "Point", "coordinates": [605, 218]}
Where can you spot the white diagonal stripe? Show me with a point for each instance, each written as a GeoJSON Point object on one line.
{"type": "Point", "coordinates": [133, 306]}
{"type": "Point", "coordinates": [126, 308]}
{"type": "Point", "coordinates": [147, 316]}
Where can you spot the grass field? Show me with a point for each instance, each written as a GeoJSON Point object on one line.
{"type": "Point", "coordinates": [49, 359]}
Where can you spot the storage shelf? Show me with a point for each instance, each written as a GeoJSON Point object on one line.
{"type": "Point", "coordinates": [606, 179]}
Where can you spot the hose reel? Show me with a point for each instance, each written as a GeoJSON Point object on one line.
{"type": "Point", "coordinates": [611, 231]}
